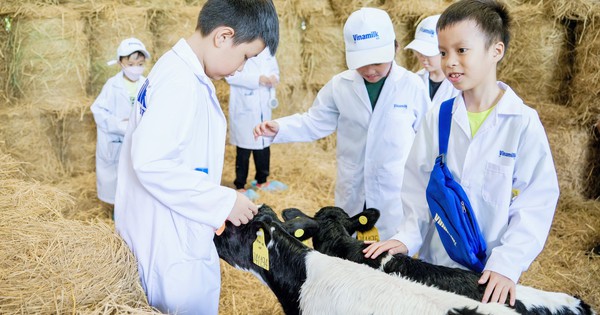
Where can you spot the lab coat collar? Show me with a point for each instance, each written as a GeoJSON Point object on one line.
{"type": "Point", "coordinates": [509, 104]}
{"type": "Point", "coordinates": [185, 52]}
{"type": "Point", "coordinates": [358, 82]}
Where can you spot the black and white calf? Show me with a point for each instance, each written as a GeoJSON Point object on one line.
{"type": "Point", "coordinates": [308, 282]}
{"type": "Point", "coordinates": [334, 237]}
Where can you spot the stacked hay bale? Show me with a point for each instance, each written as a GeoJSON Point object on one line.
{"type": "Point", "coordinates": [534, 65]}
{"type": "Point", "coordinates": [5, 27]}
{"type": "Point", "coordinates": [108, 27]}
{"type": "Point", "coordinates": [289, 58]}
{"type": "Point", "coordinates": [323, 54]}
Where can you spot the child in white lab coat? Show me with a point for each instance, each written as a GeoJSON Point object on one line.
{"type": "Point", "coordinates": [376, 108]}
{"type": "Point", "coordinates": [425, 49]}
{"type": "Point", "coordinates": [170, 202]}
{"type": "Point", "coordinates": [497, 151]}
{"type": "Point", "coordinates": [251, 99]}
{"type": "Point", "coordinates": [111, 111]}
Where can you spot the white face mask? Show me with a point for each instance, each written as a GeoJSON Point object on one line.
{"type": "Point", "coordinates": [133, 72]}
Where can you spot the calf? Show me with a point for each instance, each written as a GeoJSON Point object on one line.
{"type": "Point", "coordinates": [334, 237]}
{"type": "Point", "coordinates": [308, 282]}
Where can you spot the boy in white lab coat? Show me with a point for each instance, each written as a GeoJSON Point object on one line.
{"type": "Point", "coordinates": [169, 201]}
{"type": "Point", "coordinates": [497, 150]}
{"type": "Point", "coordinates": [251, 99]}
{"type": "Point", "coordinates": [376, 108]}
{"type": "Point", "coordinates": [111, 111]}
{"type": "Point", "coordinates": [425, 49]}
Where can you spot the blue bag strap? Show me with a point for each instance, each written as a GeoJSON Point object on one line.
{"type": "Point", "coordinates": [444, 126]}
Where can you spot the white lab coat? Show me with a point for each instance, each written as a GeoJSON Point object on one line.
{"type": "Point", "coordinates": [167, 210]}
{"type": "Point", "coordinates": [509, 151]}
{"type": "Point", "coordinates": [111, 110]}
{"type": "Point", "coordinates": [372, 145]}
{"type": "Point", "coordinates": [249, 101]}
{"type": "Point", "coordinates": [446, 90]}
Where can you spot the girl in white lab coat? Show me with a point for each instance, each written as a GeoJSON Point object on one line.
{"type": "Point", "coordinates": [376, 108]}
{"type": "Point", "coordinates": [425, 48]}
{"type": "Point", "coordinates": [251, 100]}
{"type": "Point", "coordinates": [111, 111]}
{"type": "Point", "coordinates": [497, 151]}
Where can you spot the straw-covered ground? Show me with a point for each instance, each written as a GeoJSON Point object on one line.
{"type": "Point", "coordinates": [60, 252]}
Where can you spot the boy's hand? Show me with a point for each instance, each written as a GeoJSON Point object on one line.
{"type": "Point", "coordinates": [265, 81]}
{"type": "Point", "coordinates": [243, 210]}
{"type": "Point", "coordinates": [499, 285]}
{"type": "Point", "coordinates": [391, 246]}
{"type": "Point", "coordinates": [274, 80]}
{"type": "Point", "coordinates": [267, 128]}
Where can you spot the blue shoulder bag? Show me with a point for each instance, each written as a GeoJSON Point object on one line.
{"type": "Point", "coordinates": [450, 208]}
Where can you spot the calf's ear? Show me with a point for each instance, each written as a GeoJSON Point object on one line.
{"type": "Point", "coordinates": [291, 213]}
{"type": "Point", "coordinates": [365, 220]}
{"type": "Point", "coordinates": [301, 228]}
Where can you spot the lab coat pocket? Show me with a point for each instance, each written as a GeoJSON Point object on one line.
{"type": "Point", "coordinates": [398, 125]}
{"type": "Point", "coordinates": [198, 240]}
{"type": "Point", "coordinates": [496, 188]}
{"type": "Point", "coordinates": [110, 149]}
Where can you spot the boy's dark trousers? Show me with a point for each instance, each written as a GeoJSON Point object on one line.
{"type": "Point", "coordinates": [261, 163]}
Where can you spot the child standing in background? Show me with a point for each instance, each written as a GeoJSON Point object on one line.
{"type": "Point", "coordinates": [375, 107]}
{"type": "Point", "coordinates": [170, 202]}
{"type": "Point", "coordinates": [251, 99]}
{"type": "Point", "coordinates": [425, 48]}
{"type": "Point", "coordinates": [111, 112]}
{"type": "Point", "coordinates": [497, 151]}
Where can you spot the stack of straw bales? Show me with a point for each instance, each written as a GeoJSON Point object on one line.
{"type": "Point", "coordinates": [585, 86]}
{"type": "Point", "coordinates": [108, 28]}
{"type": "Point", "coordinates": [535, 62]}
{"type": "Point", "coordinates": [50, 56]}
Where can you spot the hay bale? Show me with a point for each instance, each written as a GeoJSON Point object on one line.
{"type": "Point", "coordinates": [570, 9]}
{"type": "Point", "coordinates": [50, 57]}
{"type": "Point", "coordinates": [289, 51]}
{"type": "Point", "coordinates": [29, 136]}
{"type": "Point", "coordinates": [63, 266]}
{"type": "Point", "coordinates": [323, 53]}
{"type": "Point", "coordinates": [171, 24]}
{"type": "Point", "coordinates": [343, 8]}
{"type": "Point", "coordinates": [109, 27]}
{"type": "Point", "coordinates": [585, 85]}
{"type": "Point", "coordinates": [570, 143]}
{"type": "Point", "coordinates": [565, 264]}
{"type": "Point", "coordinates": [306, 9]}
{"type": "Point", "coordinates": [538, 45]}
{"type": "Point", "coordinates": [76, 132]}
{"type": "Point", "coordinates": [10, 168]}
{"type": "Point", "coordinates": [86, 206]}
{"type": "Point", "coordinates": [5, 28]}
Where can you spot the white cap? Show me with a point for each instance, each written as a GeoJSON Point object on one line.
{"type": "Point", "coordinates": [369, 38]}
{"type": "Point", "coordinates": [426, 41]}
{"type": "Point", "coordinates": [129, 46]}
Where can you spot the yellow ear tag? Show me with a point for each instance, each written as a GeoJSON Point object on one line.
{"type": "Point", "coordinates": [298, 233]}
{"type": "Point", "coordinates": [260, 253]}
{"type": "Point", "coordinates": [370, 235]}
{"type": "Point", "coordinates": [363, 220]}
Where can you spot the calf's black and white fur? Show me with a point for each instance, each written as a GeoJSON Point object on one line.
{"type": "Point", "coordinates": [334, 237]}
{"type": "Point", "coordinates": [308, 282]}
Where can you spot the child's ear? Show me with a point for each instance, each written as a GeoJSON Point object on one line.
{"type": "Point", "coordinates": [498, 52]}
{"type": "Point", "coordinates": [222, 34]}
{"type": "Point", "coordinates": [365, 220]}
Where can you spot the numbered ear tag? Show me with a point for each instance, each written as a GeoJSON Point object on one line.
{"type": "Point", "coordinates": [260, 253]}
{"type": "Point", "coordinates": [298, 233]}
{"type": "Point", "coordinates": [370, 235]}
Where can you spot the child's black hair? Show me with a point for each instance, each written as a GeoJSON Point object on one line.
{"type": "Point", "coordinates": [491, 17]}
{"type": "Point", "coordinates": [136, 55]}
{"type": "Point", "coordinates": [251, 19]}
